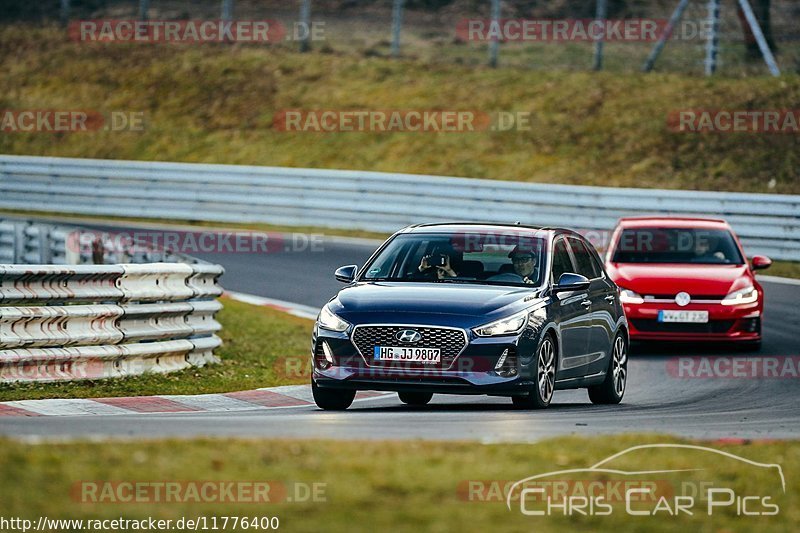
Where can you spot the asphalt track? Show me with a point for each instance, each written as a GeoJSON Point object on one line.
{"type": "Point", "coordinates": [657, 399]}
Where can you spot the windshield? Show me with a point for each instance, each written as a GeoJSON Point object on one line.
{"type": "Point", "coordinates": [512, 258]}
{"type": "Point", "coordinates": [677, 245]}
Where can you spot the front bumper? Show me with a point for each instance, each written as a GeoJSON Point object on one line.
{"type": "Point", "coordinates": [472, 372]}
{"type": "Point", "coordinates": [740, 323]}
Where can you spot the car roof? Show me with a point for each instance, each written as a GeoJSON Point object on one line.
{"type": "Point", "coordinates": [481, 227]}
{"type": "Point", "coordinates": [673, 222]}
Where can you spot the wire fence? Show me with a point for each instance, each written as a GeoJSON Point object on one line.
{"type": "Point", "coordinates": [461, 31]}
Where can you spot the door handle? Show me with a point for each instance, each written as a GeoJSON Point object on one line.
{"type": "Point", "coordinates": [586, 303]}
{"type": "Point", "coordinates": [610, 298]}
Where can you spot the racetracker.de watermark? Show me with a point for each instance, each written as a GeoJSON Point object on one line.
{"type": "Point", "coordinates": [193, 31]}
{"type": "Point", "coordinates": [196, 491]}
{"type": "Point", "coordinates": [774, 121]}
{"type": "Point", "coordinates": [400, 121]}
{"type": "Point", "coordinates": [196, 241]}
{"type": "Point", "coordinates": [69, 121]}
{"type": "Point", "coordinates": [578, 30]}
{"type": "Point", "coordinates": [732, 367]}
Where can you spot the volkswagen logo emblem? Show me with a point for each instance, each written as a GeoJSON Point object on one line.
{"type": "Point", "coordinates": [682, 299]}
{"type": "Point", "coordinates": [408, 335]}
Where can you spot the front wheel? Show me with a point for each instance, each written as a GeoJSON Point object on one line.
{"type": "Point", "coordinates": [332, 399]}
{"type": "Point", "coordinates": [542, 393]}
{"type": "Point", "coordinates": [415, 398]}
{"type": "Point", "coordinates": [612, 389]}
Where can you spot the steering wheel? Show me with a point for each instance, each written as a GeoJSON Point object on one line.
{"type": "Point", "coordinates": [507, 277]}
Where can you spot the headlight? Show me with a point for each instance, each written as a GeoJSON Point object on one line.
{"type": "Point", "coordinates": [747, 295]}
{"type": "Point", "coordinates": [330, 321]}
{"type": "Point", "coordinates": [629, 297]}
{"type": "Point", "coordinates": [504, 326]}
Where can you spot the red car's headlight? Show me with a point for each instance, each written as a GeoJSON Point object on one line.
{"type": "Point", "coordinates": [630, 297]}
{"type": "Point", "coordinates": [747, 295]}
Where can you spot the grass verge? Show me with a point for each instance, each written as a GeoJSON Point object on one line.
{"type": "Point", "coordinates": [261, 347]}
{"type": "Point", "coordinates": [397, 486]}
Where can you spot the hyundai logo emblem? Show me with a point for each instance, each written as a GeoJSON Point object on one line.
{"type": "Point", "coordinates": [682, 299]}
{"type": "Point", "coordinates": [408, 335]}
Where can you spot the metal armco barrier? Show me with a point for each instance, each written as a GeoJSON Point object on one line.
{"type": "Point", "coordinates": [62, 322]}
{"type": "Point", "coordinates": [767, 223]}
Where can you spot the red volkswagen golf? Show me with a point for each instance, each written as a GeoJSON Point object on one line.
{"type": "Point", "coordinates": [686, 279]}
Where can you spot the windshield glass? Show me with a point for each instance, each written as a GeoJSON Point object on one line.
{"type": "Point", "coordinates": [512, 258]}
{"type": "Point", "coordinates": [677, 245]}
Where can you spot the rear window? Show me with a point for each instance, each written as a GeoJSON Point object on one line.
{"type": "Point", "coordinates": [676, 245]}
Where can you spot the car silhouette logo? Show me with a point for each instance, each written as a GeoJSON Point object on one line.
{"type": "Point", "coordinates": [408, 335]}
{"type": "Point", "coordinates": [682, 299]}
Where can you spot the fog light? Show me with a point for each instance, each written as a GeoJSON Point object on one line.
{"type": "Point", "coordinates": [327, 351]}
{"type": "Point", "coordinates": [507, 363]}
{"type": "Point", "coordinates": [502, 360]}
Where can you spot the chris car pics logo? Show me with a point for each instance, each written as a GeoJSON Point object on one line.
{"type": "Point", "coordinates": [705, 486]}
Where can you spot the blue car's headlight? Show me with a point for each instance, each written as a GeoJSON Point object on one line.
{"type": "Point", "coordinates": [328, 320]}
{"type": "Point", "coordinates": [505, 326]}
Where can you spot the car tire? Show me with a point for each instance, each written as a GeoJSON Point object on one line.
{"type": "Point", "coordinates": [612, 389]}
{"type": "Point", "coordinates": [546, 364]}
{"type": "Point", "coordinates": [415, 398]}
{"type": "Point", "coordinates": [332, 399]}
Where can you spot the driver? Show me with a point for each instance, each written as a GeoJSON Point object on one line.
{"type": "Point", "coordinates": [703, 250]}
{"type": "Point", "coordinates": [524, 262]}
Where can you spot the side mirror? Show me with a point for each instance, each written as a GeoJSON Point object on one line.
{"type": "Point", "coordinates": [571, 282]}
{"type": "Point", "coordinates": [760, 262]}
{"type": "Point", "coordinates": [346, 274]}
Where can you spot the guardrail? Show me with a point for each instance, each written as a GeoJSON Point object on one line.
{"type": "Point", "coordinates": [98, 321]}
{"type": "Point", "coordinates": [767, 223]}
{"type": "Point", "coordinates": [26, 242]}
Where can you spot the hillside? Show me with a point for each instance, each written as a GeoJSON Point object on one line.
{"type": "Point", "coordinates": [216, 103]}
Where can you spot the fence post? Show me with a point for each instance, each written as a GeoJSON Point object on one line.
{"type": "Point", "coordinates": [676, 17]}
{"type": "Point", "coordinates": [769, 59]}
{"type": "Point", "coordinates": [712, 44]}
{"type": "Point", "coordinates": [397, 23]}
{"type": "Point", "coordinates": [600, 16]}
{"type": "Point", "coordinates": [64, 13]}
{"type": "Point", "coordinates": [494, 43]}
{"type": "Point", "coordinates": [144, 7]}
{"type": "Point", "coordinates": [227, 9]}
{"type": "Point", "coordinates": [305, 24]}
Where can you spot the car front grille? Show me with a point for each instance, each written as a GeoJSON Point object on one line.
{"type": "Point", "coordinates": [450, 341]}
{"type": "Point", "coordinates": [654, 326]}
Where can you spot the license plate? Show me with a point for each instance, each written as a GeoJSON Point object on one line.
{"type": "Point", "coordinates": [697, 317]}
{"type": "Point", "coordinates": [404, 353]}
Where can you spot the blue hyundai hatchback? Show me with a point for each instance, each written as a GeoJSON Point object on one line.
{"type": "Point", "coordinates": [460, 308]}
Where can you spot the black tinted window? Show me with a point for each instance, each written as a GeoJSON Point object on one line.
{"type": "Point", "coordinates": [586, 267]}
{"type": "Point", "coordinates": [561, 260]}
{"type": "Point", "coordinates": [676, 245]}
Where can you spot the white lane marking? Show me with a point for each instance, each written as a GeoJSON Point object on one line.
{"type": "Point", "coordinates": [213, 402]}
{"type": "Point", "coordinates": [299, 310]}
{"type": "Point", "coordinates": [74, 407]}
{"type": "Point", "coordinates": [776, 279]}
{"type": "Point", "coordinates": [303, 392]}
{"type": "Point", "coordinates": [298, 392]}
